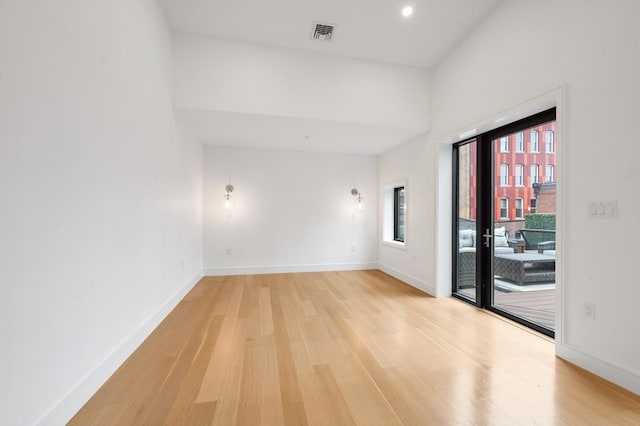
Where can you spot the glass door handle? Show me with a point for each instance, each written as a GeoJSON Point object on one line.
{"type": "Point", "coordinates": [487, 238]}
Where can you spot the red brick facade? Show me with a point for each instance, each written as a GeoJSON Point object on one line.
{"type": "Point", "coordinates": [517, 157]}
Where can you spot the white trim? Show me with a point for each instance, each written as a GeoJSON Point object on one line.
{"type": "Point", "coordinates": [443, 219]}
{"type": "Point", "coordinates": [625, 378]}
{"type": "Point", "coordinates": [283, 269]}
{"type": "Point", "coordinates": [73, 401]}
{"type": "Point", "coordinates": [409, 279]}
{"type": "Point", "coordinates": [396, 244]}
{"type": "Point", "coordinates": [561, 273]}
{"type": "Point", "coordinates": [388, 213]}
{"type": "Point", "coordinates": [395, 183]}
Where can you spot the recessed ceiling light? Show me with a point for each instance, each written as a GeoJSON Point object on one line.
{"type": "Point", "coordinates": [407, 11]}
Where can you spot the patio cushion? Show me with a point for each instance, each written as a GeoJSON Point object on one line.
{"type": "Point", "coordinates": [500, 237]}
{"type": "Point", "coordinates": [466, 238]}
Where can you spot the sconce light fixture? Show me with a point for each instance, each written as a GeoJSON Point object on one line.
{"type": "Point", "coordinates": [227, 201]}
{"type": "Point", "coordinates": [358, 200]}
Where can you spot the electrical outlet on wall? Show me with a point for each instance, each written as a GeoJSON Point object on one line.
{"type": "Point", "coordinates": [589, 310]}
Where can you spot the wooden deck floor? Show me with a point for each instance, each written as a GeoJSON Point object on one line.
{"type": "Point", "coordinates": [536, 306]}
{"type": "Point", "coordinates": [346, 348]}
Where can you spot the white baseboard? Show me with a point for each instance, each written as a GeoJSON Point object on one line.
{"type": "Point", "coordinates": [283, 269]}
{"type": "Point", "coordinates": [71, 403]}
{"type": "Point", "coordinates": [617, 375]}
{"type": "Point", "coordinates": [409, 279]}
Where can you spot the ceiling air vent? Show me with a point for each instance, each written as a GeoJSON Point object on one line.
{"type": "Point", "coordinates": [322, 31]}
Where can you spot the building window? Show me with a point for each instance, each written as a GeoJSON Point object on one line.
{"type": "Point", "coordinates": [548, 173]}
{"type": "Point", "coordinates": [534, 173]}
{"type": "Point", "coordinates": [519, 208]}
{"type": "Point", "coordinates": [548, 142]}
{"type": "Point", "coordinates": [504, 175]}
{"type": "Point", "coordinates": [520, 142]}
{"type": "Point", "coordinates": [533, 146]}
{"type": "Point", "coordinates": [519, 175]}
{"type": "Point", "coordinates": [504, 208]}
{"type": "Point", "coordinates": [504, 144]}
{"type": "Point", "coordinates": [398, 214]}
{"type": "Point", "coordinates": [533, 206]}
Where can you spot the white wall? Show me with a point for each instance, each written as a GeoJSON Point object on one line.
{"type": "Point", "coordinates": [220, 75]}
{"type": "Point", "coordinates": [101, 198]}
{"type": "Point", "coordinates": [293, 211]}
{"type": "Point", "coordinates": [521, 51]}
{"type": "Point", "coordinates": [411, 262]}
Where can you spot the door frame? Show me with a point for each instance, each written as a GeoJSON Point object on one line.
{"type": "Point", "coordinates": [485, 211]}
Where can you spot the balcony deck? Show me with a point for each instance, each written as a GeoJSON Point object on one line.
{"type": "Point", "coordinates": [535, 305]}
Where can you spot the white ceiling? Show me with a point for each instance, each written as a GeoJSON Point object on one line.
{"type": "Point", "coordinates": [371, 30]}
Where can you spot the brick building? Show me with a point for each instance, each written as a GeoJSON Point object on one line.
{"type": "Point", "coordinates": [522, 159]}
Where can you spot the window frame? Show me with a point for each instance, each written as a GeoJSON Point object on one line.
{"type": "Point", "coordinates": [506, 208]}
{"type": "Point", "coordinates": [533, 205]}
{"type": "Point", "coordinates": [397, 214]}
{"type": "Point", "coordinates": [504, 174]}
{"type": "Point", "coordinates": [519, 142]}
{"type": "Point", "coordinates": [534, 142]}
{"type": "Point", "coordinates": [388, 214]}
{"type": "Point", "coordinates": [504, 144]}
{"type": "Point", "coordinates": [519, 177]}
{"type": "Point", "coordinates": [549, 142]}
{"type": "Point", "coordinates": [548, 177]}
{"type": "Point", "coordinates": [534, 178]}
{"type": "Point", "coordinates": [521, 208]}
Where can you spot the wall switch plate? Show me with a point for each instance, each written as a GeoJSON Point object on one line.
{"type": "Point", "coordinates": [603, 209]}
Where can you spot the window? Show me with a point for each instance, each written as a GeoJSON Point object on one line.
{"type": "Point", "coordinates": [548, 172]}
{"type": "Point", "coordinates": [519, 175]}
{"type": "Point", "coordinates": [548, 142]}
{"type": "Point", "coordinates": [534, 173]}
{"type": "Point", "coordinates": [533, 141]}
{"type": "Point", "coordinates": [504, 144]}
{"type": "Point", "coordinates": [504, 208]}
{"type": "Point", "coordinates": [398, 214]}
{"type": "Point", "coordinates": [394, 214]}
{"type": "Point", "coordinates": [533, 206]}
{"type": "Point", "coordinates": [520, 142]}
{"type": "Point", "coordinates": [504, 175]}
{"type": "Point", "coordinates": [519, 208]}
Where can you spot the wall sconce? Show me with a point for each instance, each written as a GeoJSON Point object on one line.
{"type": "Point", "coordinates": [227, 201]}
{"type": "Point", "coordinates": [359, 201]}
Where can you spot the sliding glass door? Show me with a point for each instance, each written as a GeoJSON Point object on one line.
{"type": "Point", "coordinates": [504, 221]}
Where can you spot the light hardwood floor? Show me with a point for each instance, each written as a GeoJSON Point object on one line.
{"type": "Point", "coordinates": [342, 348]}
